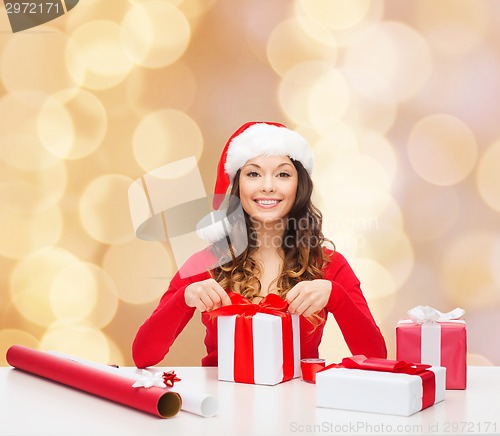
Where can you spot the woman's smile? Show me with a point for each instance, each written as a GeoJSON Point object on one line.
{"type": "Point", "coordinates": [267, 203]}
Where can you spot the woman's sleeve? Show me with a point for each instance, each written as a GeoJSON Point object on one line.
{"type": "Point", "coordinates": [348, 305]}
{"type": "Point", "coordinates": [155, 337]}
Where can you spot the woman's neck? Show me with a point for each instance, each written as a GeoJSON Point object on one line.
{"type": "Point", "coordinates": [269, 237]}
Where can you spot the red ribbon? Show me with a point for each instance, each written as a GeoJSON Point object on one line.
{"type": "Point", "coordinates": [394, 366]}
{"type": "Point", "coordinates": [244, 310]}
{"type": "Point", "coordinates": [169, 378]}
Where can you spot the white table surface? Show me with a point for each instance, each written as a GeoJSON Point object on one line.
{"type": "Point", "coordinates": [31, 405]}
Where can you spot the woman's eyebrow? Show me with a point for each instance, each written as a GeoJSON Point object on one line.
{"type": "Point", "coordinates": [258, 166]}
{"type": "Point", "coordinates": [251, 164]}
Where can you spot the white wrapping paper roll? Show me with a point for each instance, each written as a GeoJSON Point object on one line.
{"type": "Point", "coordinates": [198, 403]}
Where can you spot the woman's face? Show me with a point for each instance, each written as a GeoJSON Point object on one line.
{"type": "Point", "coordinates": [268, 186]}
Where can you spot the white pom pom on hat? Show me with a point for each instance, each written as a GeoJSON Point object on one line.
{"type": "Point", "coordinates": [255, 139]}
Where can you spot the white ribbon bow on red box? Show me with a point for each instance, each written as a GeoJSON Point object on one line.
{"type": "Point", "coordinates": [427, 314]}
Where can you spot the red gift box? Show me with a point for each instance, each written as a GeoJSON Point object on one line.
{"type": "Point", "coordinates": [257, 343]}
{"type": "Point", "coordinates": [435, 338]}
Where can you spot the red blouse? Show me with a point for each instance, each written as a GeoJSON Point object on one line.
{"type": "Point", "coordinates": [346, 303]}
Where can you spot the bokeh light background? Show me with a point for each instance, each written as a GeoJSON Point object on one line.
{"type": "Point", "coordinates": [400, 101]}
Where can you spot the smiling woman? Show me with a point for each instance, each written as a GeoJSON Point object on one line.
{"type": "Point", "coordinates": [268, 185]}
{"type": "Point", "coordinates": [267, 168]}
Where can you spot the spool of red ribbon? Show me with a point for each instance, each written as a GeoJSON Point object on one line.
{"type": "Point", "coordinates": [309, 368]}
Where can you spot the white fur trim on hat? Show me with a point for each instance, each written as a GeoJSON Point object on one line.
{"type": "Point", "coordinates": [269, 140]}
{"type": "Point", "coordinates": [213, 226]}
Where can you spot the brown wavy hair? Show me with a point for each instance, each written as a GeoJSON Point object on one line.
{"type": "Point", "coordinates": [301, 245]}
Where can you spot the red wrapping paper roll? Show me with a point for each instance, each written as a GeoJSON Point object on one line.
{"type": "Point", "coordinates": [155, 400]}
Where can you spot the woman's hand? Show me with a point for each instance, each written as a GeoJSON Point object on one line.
{"type": "Point", "coordinates": [206, 295]}
{"type": "Point", "coordinates": [307, 297]}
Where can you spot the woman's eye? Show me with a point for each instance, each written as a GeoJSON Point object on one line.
{"type": "Point", "coordinates": [253, 174]}
{"type": "Point", "coordinates": [283, 174]}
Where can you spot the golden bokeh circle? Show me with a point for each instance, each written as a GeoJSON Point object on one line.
{"type": "Point", "coordinates": [328, 99]}
{"type": "Point", "coordinates": [140, 269]}
{"type": "Point", "coordinates": [84, 291]}
{"type": "Point", "coordinates": [396, 53]}
{"type": "Point", "coordinates": [466, 271]}
{"type": "Point", "coordinates": [335, 14]}
{"type": "Point", "coordinates": [155, 33]}
{"type": "Point", "coordinates": [388, 244]}
{"type": "Point", "coordinates": [295, 89]}
{"type": "Point", "coordinates": [475, 359]}
{"type": "Point", "coordinates": [94, 55]}
{"type": "Point", "coordinates": [20, 145]}
{"type": "Point", "coordinates": [9, 337]}
{"type": "Point", "coordinates": [165, 136]}
{"type": "Point", "coordinates": [442, 149]}
{"type": "Point", "coordinates": [495, 261]}
{"type": "Point", "coordinates": [104, 209]}
{"type": "Point", "coordinates": [146, 91]}
{"type": "Point", "coordinates": [72, 123]}
{"type": "Point", "coordinates": [32, 191]}
{"type": "Point", "coordinates": [430, 212]}
{"type": "Point", "coordinates": [76, 338]}
{"type": "Point", "coordinates": [23, 232]}
{"type": "Point", "coordinates": [373, 105]}
{"type": "Point", "coordinates": [338, 140]}
{"type": "Point", "coordinates": [347, 35]}
{"type": "Point", "coordinates": [488, 176]}
{"type": "Point", "coordinates": [73, 293]}
{"type": "Point", "coordinates": [356, 183]}
{"type": "Point", "coordinates": [377, 281]}
{"type": "Point", "coordinates": [31, 283]}
{"type": "Point", "coordinates": [378, 147]}
{"type": "Point", "coordinates": [45, 52]}
{"type": "Point", "coordinates": [453, 27]}
{"type": "Point", "coordinates": [289, 44]}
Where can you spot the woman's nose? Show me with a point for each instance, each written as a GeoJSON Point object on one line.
{"type": "Point", "coordinates": [268, 183]}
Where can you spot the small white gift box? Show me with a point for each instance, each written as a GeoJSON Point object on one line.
{"type": "Point", "coordinates": [380, 391]}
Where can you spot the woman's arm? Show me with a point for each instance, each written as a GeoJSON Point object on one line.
{"type": "Point", "coordinates": [348, 305]}
{"type": "Point", "coordinates": [191, 288]}
{"type": "Point", "coordinates": [155, 337]}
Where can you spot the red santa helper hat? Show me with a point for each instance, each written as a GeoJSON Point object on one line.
{"type": "Point", "coordinates": [251, 140]}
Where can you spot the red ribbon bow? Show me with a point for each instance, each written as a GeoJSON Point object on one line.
{"type": "Point", "coordinates": [376, 364]}
{"type": "Point", "coordinates": [271, 304]}
{"type": "Point", "coordinates": [244, 310]}
{"type": "Point", "coordinates": [169, 378]}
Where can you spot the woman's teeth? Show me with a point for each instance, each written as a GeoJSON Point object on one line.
{"type": "Point", "coordinates": [267, 202]}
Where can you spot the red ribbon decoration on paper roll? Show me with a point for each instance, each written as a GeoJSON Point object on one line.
{"type": "Point", "coordinates": [394, 366]}
{"type": "Point", "coordinates": [244, 310]}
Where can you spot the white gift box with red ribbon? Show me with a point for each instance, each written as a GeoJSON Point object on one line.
{"type": "Point", "coordinates": [257, 343]}
{"type": "Point", "coordinates": [270, 360]}
{"type": "Point", "coordinates": [369, 390]}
